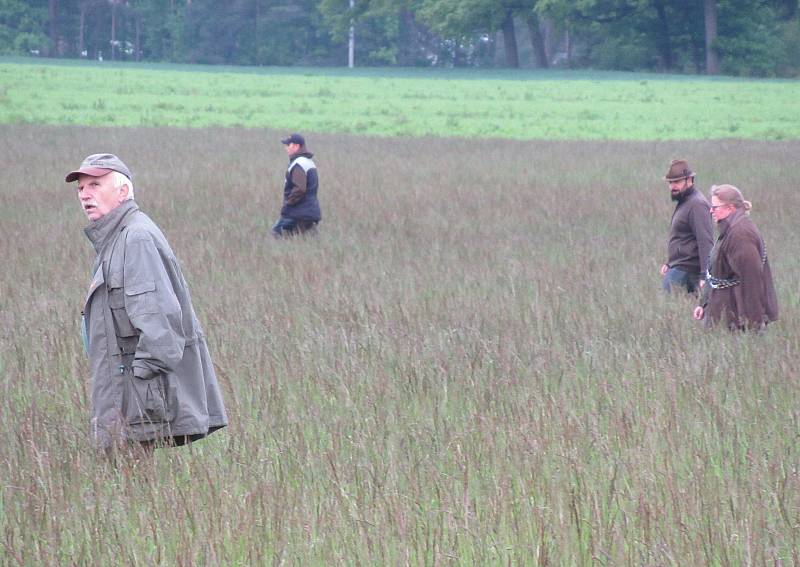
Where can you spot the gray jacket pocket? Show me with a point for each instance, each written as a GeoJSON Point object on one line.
{"type": "Point", "coordinates": [122, 323]}
{"type": "Point", "coordinates": [141, 297]}
{"type": "Point", "coordinates": [145, 400]}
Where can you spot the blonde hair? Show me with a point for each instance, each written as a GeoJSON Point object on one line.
{"type": "Point", "coordinates": [730, 195]}
{"type": "Point", "coordinates": [121, 179]}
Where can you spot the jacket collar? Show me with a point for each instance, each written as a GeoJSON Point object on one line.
{"type": "Point", "coordinates": [102, 230]}
{"type": "Point", "coordinates": [301, 153]}
{"type": "Point", "coordinates": [732, 220]}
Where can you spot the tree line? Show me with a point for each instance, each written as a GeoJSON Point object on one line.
{"type": "Point", "coordinates": [735, 37]}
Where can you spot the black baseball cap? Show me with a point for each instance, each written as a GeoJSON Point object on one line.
{"type": "Point", "coordinates": [294, 139]}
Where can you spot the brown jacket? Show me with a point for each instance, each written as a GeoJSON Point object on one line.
{"type": "Point", "coordinates": [740, 256]}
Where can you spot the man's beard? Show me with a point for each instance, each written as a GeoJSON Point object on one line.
{"type": "Point", "coordinates": [680, 194]}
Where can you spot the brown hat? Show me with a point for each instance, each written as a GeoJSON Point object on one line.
{"type": "Point", "coordinates": [678, 169]}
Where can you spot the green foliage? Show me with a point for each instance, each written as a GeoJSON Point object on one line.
{"type": "Point", "coordinates": [28, 43]}
{"type": "Point", "coordinates": [755, 39]}
{"type": "Point", "coordinates": [215, 32]}
{"type": "Point", "coordinates": [385, 30]}
{"type": "Point", "coordinates": [632, 34]}
{"type": "Point", "coordinates": [748, 43]}
{"type": "Point", "coordinates": [338, 16]}
{"type": "Point", "coordinates": [647, 34]}
{"type": "Point", "coordinates": [626, 53]}
{"type": "Point", "coordinates": [383, 56]}
{"type": "Point", "coordinates": [548, 105]}
{"type": "Point", "coordinates": [790, 31]}
{"type": "Point", "coordinates": [21, 27]}
{"type": "Point", "coordinates": [162, 37]}
{"type": "Point", "coordinates": [458, 19]}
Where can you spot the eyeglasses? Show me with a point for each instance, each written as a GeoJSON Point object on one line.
{"type": "Point", "coordinates": [715, 207]}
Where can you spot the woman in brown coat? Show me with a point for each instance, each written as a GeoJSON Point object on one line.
{"type": "Point", "coordinates": [739, 291]}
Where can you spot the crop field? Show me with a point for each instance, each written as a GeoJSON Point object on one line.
{"type": "Point", "coordinates": [472, 365]}
{"type": "Point", "coordinates": [525, 105]}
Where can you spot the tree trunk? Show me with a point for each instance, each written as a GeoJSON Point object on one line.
{"type": "Point", "coordinates": [712, 63]}
{"type": "Point", "coordinates": [138, 37]}
{"type": "Point", "coordinates": [81, 28]}
{"type": "Point", "coordinates": [537, 41]}
{"type": "Point", "coordinates": [458, 55]}
{"type": "Point", "coordinates": [53, 13]}
{"type": "Point", "coordinates": [663, 41]}
{"type": "Point", "coordinates": [259, 57]}
{"type": "Point", "coordinates": [113, 29]}
{"type": "Point", "coordinates": [351, 39]}
{"type": "Point", "coordinates": [696, 43]}
{"type": "Point", "coordinates": [510, 41]}
{"type": "Point", "coordinates": [410, 39]}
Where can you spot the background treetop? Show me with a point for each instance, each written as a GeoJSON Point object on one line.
{"type": "Point", "coordinates": [735, 37]}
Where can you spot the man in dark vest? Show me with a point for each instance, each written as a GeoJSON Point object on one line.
{"type": "Point", "coordinates": [691, 234]}
{"type": "Point", "coordinates": [300, 212]}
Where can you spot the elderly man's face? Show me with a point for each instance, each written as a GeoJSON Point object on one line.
{"type": "Point", "coordinates": [99, 196]}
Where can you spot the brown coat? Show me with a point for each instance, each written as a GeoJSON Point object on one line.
{"type": "Point", "coordinates": [739, 255]}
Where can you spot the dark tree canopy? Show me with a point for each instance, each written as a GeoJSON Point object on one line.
{"type": "Point", "coordinates": [738, 37]}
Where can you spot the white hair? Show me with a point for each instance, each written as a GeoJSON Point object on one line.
{"type": "Point", "coordinates": [121, 179]}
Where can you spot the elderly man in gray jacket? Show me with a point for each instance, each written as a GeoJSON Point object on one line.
{"type": "Point", "coordinates": [153, 381]}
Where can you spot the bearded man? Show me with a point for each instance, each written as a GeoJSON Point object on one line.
{"type": "Point", "coordinates": [691, 233]}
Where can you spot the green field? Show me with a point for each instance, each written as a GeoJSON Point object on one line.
{"type": "Point", "coordinates": [522, 105]}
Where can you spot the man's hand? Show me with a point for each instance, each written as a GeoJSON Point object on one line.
{"type": "Point", "coordinates": [702, 284]}
{"type": "Point", "coordinates": [664, 269]}
{"type": "Point", "coordinates": [698, 313]}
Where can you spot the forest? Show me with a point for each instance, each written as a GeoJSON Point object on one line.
{"type": "Point", "coordinates": [730, 37]}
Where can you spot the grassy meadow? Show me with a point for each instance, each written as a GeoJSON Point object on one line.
{"type": "Point", "coordinates": [518, 105]}
{"type": "Point", "coordinates": [472, 365]}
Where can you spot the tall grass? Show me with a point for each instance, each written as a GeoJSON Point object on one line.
{"type": "Point", "coordinates": [473, 363]}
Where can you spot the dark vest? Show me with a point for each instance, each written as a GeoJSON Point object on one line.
{"type": "Point", "coordinates": [307, 208]}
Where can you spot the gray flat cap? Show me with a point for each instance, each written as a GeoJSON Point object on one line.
{"type": "Point", "coordinates": [97, 165]}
